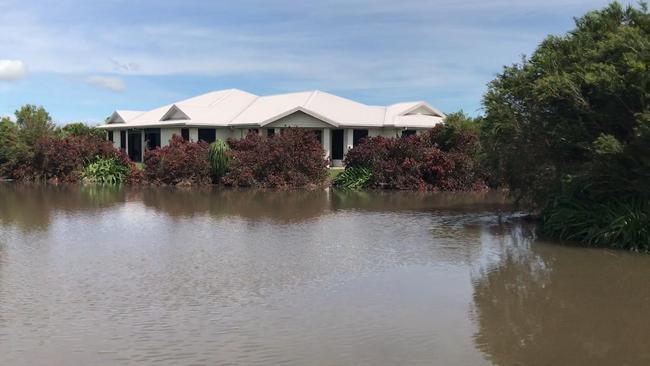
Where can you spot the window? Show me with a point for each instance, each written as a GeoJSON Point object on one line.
{"type": "Point", "coordinates": [110, 136]}
{"type": "Point", "coordinates": [337, 144]}
{"type": "Point", "coordinates": [185, 134]}
{"type": "Point", "coordinates": [253, 130]}
{"type": "Point", "coordinates": [270, 132]}
{"type": "Point", "coordinates": [406, 133]}
{"type": "Point", "coordinates": [208, 135]}
{"type": "Point", "coordinates": [152, 138]}
{"type": "Point", "coordinates": [123, 140]}
{"type": "Point", "coordinates": [357, 135]}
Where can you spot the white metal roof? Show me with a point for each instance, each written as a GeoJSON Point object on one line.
{"type": "Point", "coordinates": [235, 107]}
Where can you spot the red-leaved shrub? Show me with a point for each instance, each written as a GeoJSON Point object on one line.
{"type": "Point", "coordinates": [60, 160]}
{"type": "Point", "coordinates": [291, 159]}
{"type": "Point", "coordinates": [180, 162]}
{"type": "Point", "coordinates": [418, 163]}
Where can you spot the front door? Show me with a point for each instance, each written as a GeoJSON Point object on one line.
{"type": "Point", "coordinates": [135, 146]}
{"type": "Point", "coordinates": [337, 144]}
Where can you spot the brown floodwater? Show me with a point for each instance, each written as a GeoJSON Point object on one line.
{"type": "Point", "coordinates": [106, 276]}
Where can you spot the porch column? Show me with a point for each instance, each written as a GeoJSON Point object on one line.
{"type": "Point", "coordinates": [348, 139]}
{"type": "Point", "coordinates": [327, 142]}
{"type": "Point", "coordinates": [116, 139]}
{"type": "Point", "coordinates": [143, 147]}
{"type": "Point", "coordinates": [194, 134]}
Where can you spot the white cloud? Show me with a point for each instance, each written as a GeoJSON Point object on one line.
{"type": "Point", "coordinates": [12, 70]}
{"type": "Point", "coordinates": [106, 82]}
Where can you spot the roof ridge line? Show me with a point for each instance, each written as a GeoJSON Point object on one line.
{"type": "Point", "coordinates": [243, 110]}
{"type": "Point", "coordinates": [313, 94]}
{"type": "Point", "coordinates": [222, 98]}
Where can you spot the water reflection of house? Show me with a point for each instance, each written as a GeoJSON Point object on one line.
{"type": "Point", "coordinates": [337, 122]}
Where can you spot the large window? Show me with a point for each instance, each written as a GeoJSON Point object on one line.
{"type": "Point", "coordinates": [357, 135]}
{"type": "Point", "coordinates": [337, 144]}
{"type": "Point", "coordinates": [185, 134]}
{"type": "Point", "coordinates": [270, 132]}
{"type": "Point", "coordinates": [406, 133]}
{"type": "Point", "coordinates": [135, 146]}
{"type": "Point", "coordinates": [110, 136]}
{"type": "Point", "coordinates": [208, 135]}
{"type": "Point", "coordinates": [152, 138]}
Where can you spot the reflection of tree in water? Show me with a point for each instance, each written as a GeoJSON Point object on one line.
{"type": "Point", "coordinates": [545, 304]}
{"type": "Point", "coordinates": [30, 207]}
{"type": "Point", "coordinates": [418, 201]}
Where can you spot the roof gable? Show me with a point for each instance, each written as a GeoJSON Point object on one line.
{"type": "Point", "coordinates": [122, 116]}
{"type": "Point", "coordinates": [299, 117]}
{"type": "Point", "coordinates": [422, 109]}
{"type": "Point", "coordinates": [174, 113]}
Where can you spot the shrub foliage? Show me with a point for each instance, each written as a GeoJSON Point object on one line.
{"type": "Point", "coordinates": [353, 178]}
{"type": "Point", "coordinates": [105, 171]}
{"type": "Point", "coordinates": [429, 161]}
{"type": "Point", "coordinates": [61, 160]}
{"type": "Point", "coordinates": [291, 159]}
{"type": "Point", "coordinates": [181, 162]}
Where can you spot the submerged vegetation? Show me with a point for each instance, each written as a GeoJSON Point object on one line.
{"type": "Point", "coordinates": [353, 178]}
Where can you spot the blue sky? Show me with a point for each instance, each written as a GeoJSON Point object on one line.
{"type": "Point", "coordinates": [83, 59]}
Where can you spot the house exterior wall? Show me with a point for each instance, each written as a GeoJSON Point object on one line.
{"type": "Point", "coordinates": [194, 134]}
{"type": "Point", "coordinates": [166, 135]}
{"type": "Point", "coordinates": [224, 133]}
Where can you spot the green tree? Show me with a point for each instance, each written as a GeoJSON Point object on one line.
{"type": "Point", "coordinates": [568, 129]}
{"type": "Point", "coordinates": [546, 117]}
{"type": "Point", "coordinates": [80, 129]}
{"type": "Point", "coordinates": [33, 123]}
{"type": "Point", "coordinates": [12, 149]}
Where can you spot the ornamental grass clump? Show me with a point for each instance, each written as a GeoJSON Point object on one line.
{"type": "Point", "coordinates": [219, 158]}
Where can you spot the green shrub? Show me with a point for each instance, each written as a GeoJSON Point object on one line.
{"type": "Point", "coordinates": [219, 159]}
{"type": "Point", "coordinates": [613, 223]}
{"type": "Point", "coordinates": [105, 171]}
{"type": "Point", "coordinates": [353, 178]}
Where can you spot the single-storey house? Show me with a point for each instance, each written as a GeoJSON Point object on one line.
{"type": "Point", "coordinates": [339, 123]}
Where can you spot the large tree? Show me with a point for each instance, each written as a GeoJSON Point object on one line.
{"type": "Point", "coordinates": [579, 105]}
{"type": "Point", "coordinates": [33, 122]}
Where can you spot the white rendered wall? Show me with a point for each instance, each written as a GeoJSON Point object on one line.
{"type": "Point", "coordinates": [224, 133]}
{"type": "Point", "coordinates": [327, 142]}
{"type": "Point", "coordinates": [167, 133]}
{"type": "Point", "coordinates": [194, 134]}
{"type": "Point", "coordinates": [116, 139]}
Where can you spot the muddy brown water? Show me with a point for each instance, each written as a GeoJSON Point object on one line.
{"type": "Point", "coordinates": [100, 276]}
